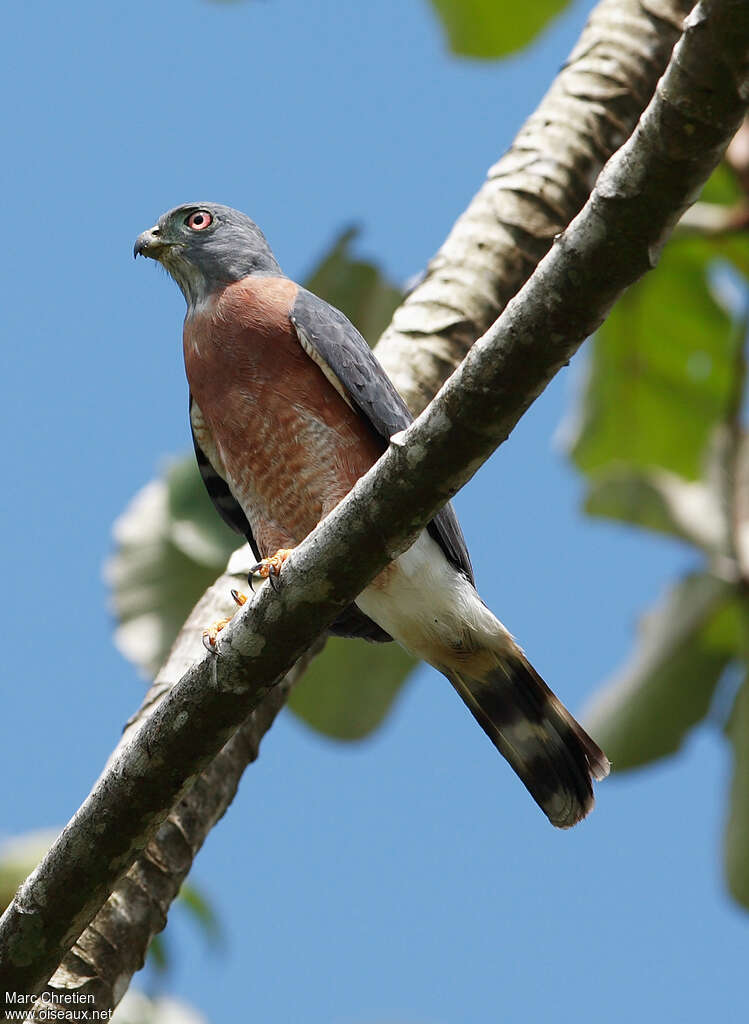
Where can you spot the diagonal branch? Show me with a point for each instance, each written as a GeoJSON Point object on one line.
{"type": "Point", "coordinates": [511, 276]}
{"type": "Point", "coordinates": [532, 192]}
{"type": "Point", "coordinates": [613, 241]}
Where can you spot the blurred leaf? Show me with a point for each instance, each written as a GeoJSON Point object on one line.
{"type": "Point", "coordinates": [722, 187]}
{"type": "Point", "coordinates": [195, 526]}
{"type": "Point", "coordinates": [489, 28]}
{"type": "Point", "coordinates": [357, 288]}
{"type": "Point", "coordinates": [158, 955]}
{"type": "Point", "coordinates": [658, 500]}
{"type": "Point", "coordinates": [734, 248]}
{"type": "Point", "coordinates": [192, 900]}
{"type": "Point", "coordinates": [162, 563]}
{"type": "Point", "coordinates": [660, 370]}
{"type": "Point", "coordinates": [736, 835]}
{"type": "Point", "coordinates": [741, 519]}
{"type": "Point", "coordinates": [19, 855]}
{"type": "Point", "coordinates": [685, 643]}
{"type": "Point", "coordinates": [201, 910]}
{"type": "Point", "coordinates": [727, 476]}
{"type": "Point", "coordinates": [347, 691]}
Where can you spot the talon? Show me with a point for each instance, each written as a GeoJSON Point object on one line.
{"type": "Point", "coordinates": [210, 635]}
{"type": "Point", "coordinates": [270, 568]}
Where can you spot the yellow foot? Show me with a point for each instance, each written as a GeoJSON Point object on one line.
{"type": "Point", "coordinates": [270, 568]}
{"type": "Point", "coordinates": [210, 635]}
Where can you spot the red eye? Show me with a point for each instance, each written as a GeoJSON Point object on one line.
{"type": "Point", "coordinates": [199, 220]}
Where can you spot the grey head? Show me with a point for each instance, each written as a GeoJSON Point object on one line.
{"type": "Point", "coordinates": [205, 246]}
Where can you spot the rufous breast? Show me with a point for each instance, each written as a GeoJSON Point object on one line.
{"type": "Point", "coordinates": [290, 444]}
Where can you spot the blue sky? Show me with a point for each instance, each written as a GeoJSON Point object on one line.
{"type": "Point", "coordinates": [408, 878]}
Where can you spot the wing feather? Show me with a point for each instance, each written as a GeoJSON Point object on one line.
{"type": "Point", "coordinates": [332, 341]}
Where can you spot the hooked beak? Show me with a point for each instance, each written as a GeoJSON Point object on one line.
{"type": "Point", "coordinates": [150, 244]}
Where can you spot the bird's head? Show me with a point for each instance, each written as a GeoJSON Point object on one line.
{"type": "Point", "coordinates": [204, 246]}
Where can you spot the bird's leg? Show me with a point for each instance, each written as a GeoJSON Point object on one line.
{"type": "Point", "coordinates": [270, 568]}
{"type": "Point", "coordinates": [210, 635]}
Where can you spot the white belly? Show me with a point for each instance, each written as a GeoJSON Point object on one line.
{"type": "Point", "coordinates": [430, 608]}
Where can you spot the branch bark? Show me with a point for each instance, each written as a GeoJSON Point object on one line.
{"type": "Point", "coordinates": [113, 947]}
{"type": "Point", "coordinates": [532, 192]}
{"type": "Point", "coordinates": [589, 110]}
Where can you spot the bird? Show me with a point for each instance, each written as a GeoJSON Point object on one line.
{"type": "Point", "coordinates": [288, 407]}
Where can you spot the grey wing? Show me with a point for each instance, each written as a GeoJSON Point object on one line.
{"type": "Point", "coordinates": [351, 622]}
{"type": "Point", "coordinates": [332, 341]}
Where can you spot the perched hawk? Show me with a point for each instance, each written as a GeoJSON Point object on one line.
{"type": "Point", "coordinates": [289, 407]}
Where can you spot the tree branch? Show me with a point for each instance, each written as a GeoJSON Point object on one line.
{"type": "Point", "coordinates": [533, 192]}
{"type": "Point", "coordinates": [603, 120]}
{"type": "Point", "coordinates": [113, 947]}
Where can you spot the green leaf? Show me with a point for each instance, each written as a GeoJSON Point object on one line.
{"type": "Point", "coordinates": [357, 288]}
{"type": "Point", "coordinates": [660, 371]}
{"type": "Point", "coordinates": [347, 691]}
{"type": "Point", "coordinates": [722, 187]}
{"type": "Point", "coordinates": [201, 910]}
{"type": "Point", "coordinates": [168, 552]}
{"type": "Point", "coordinates": [158, 954]}
{"type": "Point", "coordinates": [736, 835]}
{"type": "Point", "coordinates": [660, 501]}
{"type": "Point", "coordinates": [685, 643]}
{"type": "Point", "coordinates": [489, 28]}
{"type": "Point", "coordinates": [191, 899]}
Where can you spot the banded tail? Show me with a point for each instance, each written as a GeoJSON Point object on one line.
{"type": "Point", "coordinates": [550, 752]}
{"type": "Point", "coordinates": [433, 610]}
